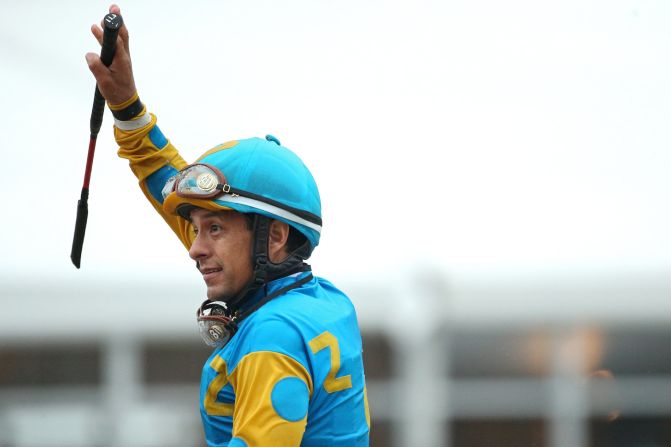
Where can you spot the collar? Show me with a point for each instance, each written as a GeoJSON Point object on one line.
{"type": "Point", "coordinates": [273, 289]}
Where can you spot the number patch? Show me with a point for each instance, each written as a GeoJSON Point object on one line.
{"type": "Point", "coordinates": [331, 383]}
{"type": "Point", "coordinates": [212, 407]}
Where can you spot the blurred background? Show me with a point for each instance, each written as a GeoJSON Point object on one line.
{"type": "Point", "coordinates": [494, 179]}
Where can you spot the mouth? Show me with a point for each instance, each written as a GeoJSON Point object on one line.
{"type": "Point", "coordinates": [210, 272]}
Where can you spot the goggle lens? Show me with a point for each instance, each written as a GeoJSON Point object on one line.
{"type": "Point", "coordinates": [198, 181]}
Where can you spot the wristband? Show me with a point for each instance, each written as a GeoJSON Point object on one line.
{"type": "Point", "coordinates": [133, 124]}
{"type": "Point", "coordinates": [128, 109]}
{"type": "Point", "coordinates": [130, 112]}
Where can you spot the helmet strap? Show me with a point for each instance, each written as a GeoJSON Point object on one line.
{"type": "Point", "coordinates": [263, 269]}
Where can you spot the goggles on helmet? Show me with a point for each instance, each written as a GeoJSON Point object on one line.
{"type": "Point", "coordinates": [197, 181]}
{"type": "Point", "coordinates": [204, 181]}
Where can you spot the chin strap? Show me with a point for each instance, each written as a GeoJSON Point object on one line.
{"type": "Point", "coordinates": [264, 270]}
{"type": "Point", "coordinates": [218, 320]}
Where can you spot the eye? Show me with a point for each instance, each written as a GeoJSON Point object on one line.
{"type": "Point", "coordinates": [214, 228]}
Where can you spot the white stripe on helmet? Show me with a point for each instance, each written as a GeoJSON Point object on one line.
{"type": "Point", "coordinates": [272, 209]}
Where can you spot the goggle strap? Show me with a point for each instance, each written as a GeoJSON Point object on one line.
{"type": "Point", "coordinates": [298, 212]}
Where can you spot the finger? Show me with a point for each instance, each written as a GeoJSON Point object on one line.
{"type": "Point", "coordinates": [97, 33]}
{"type": "Point", "coordinates": [121, 53]}
{"type": "Point", "coordinates": [123, 31]}
{"type": "Point", "coordinates": [123, 35]}
{"type": "Point", "coordinates": [121, 61]}
{"type": "Point", "coordinates": [96, 66]}
{"type": "Point", "coordinates": [121, 50]}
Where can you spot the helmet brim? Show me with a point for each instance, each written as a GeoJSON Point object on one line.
{"type": "Point", "coordinates": [179, 206]}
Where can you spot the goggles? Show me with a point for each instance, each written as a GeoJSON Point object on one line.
{"type": "Point", "coordinates": [215, 325]}
{"type": "Point", "coordinates": [197, 181]}
{"type": "Point", "coordinates": [204, 181]}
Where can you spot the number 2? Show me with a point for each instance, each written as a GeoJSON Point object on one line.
{"type": "Point", "coordinates": [212, 407]}
{"type": "Point", "coordinates": [331, 383]}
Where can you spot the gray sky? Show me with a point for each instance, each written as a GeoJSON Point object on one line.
{"type": "Point", "coordinates": [476, 138]}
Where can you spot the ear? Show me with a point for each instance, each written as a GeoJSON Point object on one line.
{"type": "Point", "coordinates": [277, 241]}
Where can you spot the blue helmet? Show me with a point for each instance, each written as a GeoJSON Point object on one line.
{"type": "Point", "coordinates": [265, 178]}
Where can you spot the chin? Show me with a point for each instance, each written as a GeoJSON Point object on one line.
{"type": "Point", "coordinates": [218, 294]}
{"type": "Point", "coordinates": [212, 295]}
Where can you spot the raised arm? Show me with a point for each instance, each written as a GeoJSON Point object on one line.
{"type": "Point", "coordinates": [153, 159]}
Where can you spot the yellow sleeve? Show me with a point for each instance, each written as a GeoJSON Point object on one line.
{"type": "Point", "coordinates": [272, 393]}
{"type": "Point", "coordinates": [152, 158]}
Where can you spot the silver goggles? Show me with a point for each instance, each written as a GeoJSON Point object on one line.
{"type": "Point", "coordinates": [214, 323]}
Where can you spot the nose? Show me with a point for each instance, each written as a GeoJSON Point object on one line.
{"type": "Point", "coordinates": [199, 249]}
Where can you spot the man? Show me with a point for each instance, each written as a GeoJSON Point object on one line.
{"type": "Point", "coordinates": [287, 368]}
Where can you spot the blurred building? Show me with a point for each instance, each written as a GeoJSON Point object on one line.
{"type": "Point", "coordinates": [481, 363]}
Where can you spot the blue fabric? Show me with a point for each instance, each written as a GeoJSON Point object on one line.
{"type": "Point", "coordinates": [156, 181]}
{"type": "Point", "coordinates": [157, 138]}
{"type": "Point", "coordinates": [237, 442]}
{"type": "Point", "coordinates": [290, 398]}
{"type": "Point", "coordinates": [286, 325]}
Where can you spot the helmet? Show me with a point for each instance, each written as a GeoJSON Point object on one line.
{"type": "Point", "coordinates": [265, 178]}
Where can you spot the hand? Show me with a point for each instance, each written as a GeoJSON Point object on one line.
{"type": "Point", "coordinates": [115, 82]}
